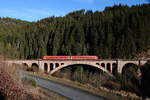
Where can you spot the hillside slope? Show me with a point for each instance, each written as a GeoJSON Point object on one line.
{"type": "Point", "coordinates": [11, 34]}
{"type": "Point", "coordinates": [117, 32]}
{"type": "Point", "coordinates": [143, 55]}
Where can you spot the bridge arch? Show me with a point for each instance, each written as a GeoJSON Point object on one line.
{"type": "Point", "coordinates": [34, 67]}
{"type": "Point", "coordinates": [96, 66]}
{"type": "Point", "coordinates": [127, 65]}
{"type": "Point", "coordinates": [103, 65]}
{"type": "Point", "coordinates": [130, 71]}
{"type": "Point", "coordinates": [25, 66]}
{"type": "Point", "coordinates": [57, 64]}
{"type": "Point", "coordinates": [130, 75]}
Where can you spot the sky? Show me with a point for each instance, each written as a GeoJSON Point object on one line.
{"type": "Point", "coordinates": [33, 10]}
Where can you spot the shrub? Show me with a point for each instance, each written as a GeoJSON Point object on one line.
{"type": "Point", "coordinates": [29, 81]}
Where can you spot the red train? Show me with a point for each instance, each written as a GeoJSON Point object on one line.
{"type": "Point", "coordinates": [69, 57]}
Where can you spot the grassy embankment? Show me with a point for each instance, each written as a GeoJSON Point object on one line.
{"type": "Point", "coordinates": [104, 92]}
{"type": "Point", "coordinates": [14, 88]}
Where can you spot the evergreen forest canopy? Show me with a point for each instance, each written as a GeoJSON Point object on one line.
{"type": "Point", "coordinates": [117, 32]}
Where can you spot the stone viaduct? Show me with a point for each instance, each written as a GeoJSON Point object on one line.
{"type": "Point", "coordinates": [51, 66]}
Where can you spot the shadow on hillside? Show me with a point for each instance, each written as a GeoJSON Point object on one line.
{"type": "Point", "coordinates": [2, 97]}
{"type": "Point", "coordinates": [145, 80]}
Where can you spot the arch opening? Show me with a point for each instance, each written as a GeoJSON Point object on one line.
{"type": "Point", "coordinates": [25, 66]}
{"type": "Point", "coordinates": [71, 69]}
{"type": "Point", "coordinates": [103, 65]}
{"type": "Point", "coordinates": [114, 68]}
{"type": "Point", "coordinates": [35, 67]}
{"type": "Point", "coordinates": [57, 65]}
{"type": "Point", "coordinates": [108, 67]}
{"type": "Point", "coordinates": [84, 73]}
{"type": "Point", "coordinates": [145, 79]}
{"type": "Point", "coordinates": [130, 78]}
{"type": "Point", "coordinates": [51, 66]}
{"type": "Point", "coordinates": [91, 66]}
{"type": "Point", "coordinates": [45, 67]}
{"type": "Point", "coordinates": [129, 67]}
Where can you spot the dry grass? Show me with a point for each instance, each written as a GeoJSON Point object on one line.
{"type": "Point", "coordinates": [12, 88]}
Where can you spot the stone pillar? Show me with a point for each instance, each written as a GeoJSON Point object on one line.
{"type": "Point", "coordinates": [54, 66]}
{"type": "Point", "coordinates": [120, 66]}
{"type": "Point", "coordinates": [41, 66]}
{"type": "Point", "coordinates": [48, 67]}
{"type": "Point", "coordinates": [29, 64]}
{"type": "Point", "coordinates": [111, 68]}
{"type": "Point", "coordinates": [105, 66]}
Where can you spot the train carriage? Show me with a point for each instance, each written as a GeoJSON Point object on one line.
{"type": "Point", "coordinates": [69, 57]}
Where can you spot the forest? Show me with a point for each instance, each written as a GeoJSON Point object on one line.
{"type": "Point", "coordinates": [117, 32]}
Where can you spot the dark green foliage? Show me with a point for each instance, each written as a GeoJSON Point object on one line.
{"type": "Point", "coordinates": [130, 81]}
{"type": "Point", "coordinates": [11, 37]}
{"type": "Point", "coordinates": [145, 79]}
{"type": "Point", "coordinates": [117, 32]}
